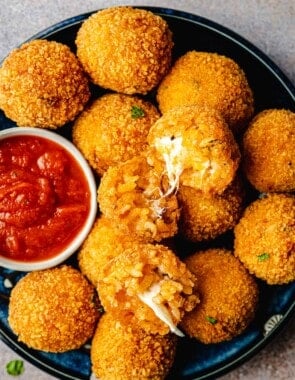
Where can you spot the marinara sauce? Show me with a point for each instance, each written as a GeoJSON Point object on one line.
{"type": "Point", "coordinates": [44, 198]}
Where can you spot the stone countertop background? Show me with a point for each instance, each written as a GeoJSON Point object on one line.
{"type": "Point", "coordinates": [268, 24]}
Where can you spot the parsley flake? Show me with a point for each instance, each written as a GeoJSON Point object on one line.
{"type": "Point", "coordinates": [137, 112]}
{"type": "Point", "coordinates": [211, 320]}
{"type": "Point", "coordinates": [263, 257]}
{"type": "Point", "coordinates": [15, 367]}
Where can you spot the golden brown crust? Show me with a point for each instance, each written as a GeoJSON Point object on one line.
{"type": "Point", "coordinates": [265, 238]}
{"type": "Point", "coordinates": [104, 242]}
{"type": "Point", "coordinates": [42, 84]}
{"type": "Point", "coordinates": [125, 352]}
{"type": "Point", "coordinates": [205, 217]}
{"type": "Point", "coordinates": [135, 272]}
{"type": "Point", "coordinates": [125, 49]}
{"type": "Point", "coordinates": [107, 133]}
{"type": "Point", "coordinates": [228, 297]}
{"type": "Point", "coordinates": [53, 310]}
{"type": "Point", "coordinates": [208, 79]}
{"type": "Point", "coordinates": [269, 151]}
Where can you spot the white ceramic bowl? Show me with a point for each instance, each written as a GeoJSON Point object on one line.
{"type": "Point", "coordinates": [73, 246]}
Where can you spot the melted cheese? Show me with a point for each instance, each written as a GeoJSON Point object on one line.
{"type": "Point", "coordinates": [160, 311]}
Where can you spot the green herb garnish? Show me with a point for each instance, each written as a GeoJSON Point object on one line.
{"type": "Point", "coordinates": [137, 112]}
{"type": "Point", "coordinates": [15, 367]}
{"type": "Point", "coordinates": [263, 257]}
{"type": "Point", "coordinates": [212, 320]}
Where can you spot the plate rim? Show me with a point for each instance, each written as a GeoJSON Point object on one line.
{"type": "Point", "coordinates": [219, 369]}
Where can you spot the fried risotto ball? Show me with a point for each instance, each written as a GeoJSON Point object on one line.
{"type": "Point", "coordinates": [269, 151]}
{"type": "Point", "coordinates": [204, 78]}
{"type": "Point", "coordinates": [197, 148]}
{"type": "Point", "coordinates": [130, 193]}
{"type": "Point", "coordinates": [125, 49]}
{"type": "Point", "coordinates": [114, 129]}
{"type": "Point", "coordinates": [265, 238]}
{"type": "Point", "coordinates": [104, 242]}
{"type": "Point", "coordinates": [53, 310]}
{"type": "Point", "coordinates": [228, 297]}
{"type": "Point", "coordinates": [42, 84]}
{"type": "Point", "coordinates": [205, 217]}
{"type": "Point", "coordinates": [125, 352]}
{"type": "Point", "coordinates": [149, 284]}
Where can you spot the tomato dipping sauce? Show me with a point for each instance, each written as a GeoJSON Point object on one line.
{"type": "Point", "coordinates": [44, 198]}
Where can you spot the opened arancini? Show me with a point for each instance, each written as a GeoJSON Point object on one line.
{"type": "Point", "coordinates": [53, 310]}
{"type": "Point", "coordinates": [269, 151]}
{"type": "Point", "coordinates": [126, 352]}
{"type": "Point", "coordinates": [196, 148]}
{"type": "Point", "coordinates": [42, 84]}
{"type": "Point", "coordinates": [150, 284]}
{"type": "Point", "coordinates": [208, 79]}
{"type": "Point", "coordinates": [113, 129]}
{"type": "Point", "coordinates": [206, 216]}
{"type": "Point", "coordinates": [265, 238]}
{"type": "Point", "coordinates": [228, 297]}
{"type": "Point", "coordinates": [125, 49]}
{"type": "Point", "coordinates": [131, 194]}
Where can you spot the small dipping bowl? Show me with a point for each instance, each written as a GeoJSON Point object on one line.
{"type": "Point", "coordinates": [72, 243]}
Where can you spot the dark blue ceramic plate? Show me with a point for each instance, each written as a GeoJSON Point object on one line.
{"type": "Point", "coordinates": [193, 361]}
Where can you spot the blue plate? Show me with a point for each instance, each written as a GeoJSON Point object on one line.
{"type": "Point", "coordinates": [193, 360]}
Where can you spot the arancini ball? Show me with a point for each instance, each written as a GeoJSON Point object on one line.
{"type": "Point", "coordinates": [196, 148]}
{"type": "Point", "coordinates": [151, 284]}
{"type": "Point", "coordinates": [131, 194]}
{"type": "Point", "coordinates": [265, 238]}
{"type": "Point", "coordinates": [208, 79]}
{"type": "Point", "coordinates": [204, 217]}
{"type": "Point", "coordinates": [125, 49]}
{"type": "Point", "coordinates": [228, 297]}
{"type": "Point", "coordinates": [113, 129]}
{"type": "Point", "coordinates": [127, 352]}
{"type": "Point", "coordinates": [42, 84]}
{"type": "Point", "coordinates": [53, 310]}
{"type": "Point", "coordinates": [269, 151]}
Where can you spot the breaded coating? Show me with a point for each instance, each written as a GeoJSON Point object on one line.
{"type": "Point", "coordinates": [125, 49]}
{"type": "Point", "coordinates": [151, 284]}
{"type": "Point", "coordinates": [114, 129]}
{"type": "Point", "coordinates": [205, 217]}
{"type": "Point", "coordinates": [208, 79]}
{"type": "Point", "coordinates": [197, 148]}
{"type": "Point", "coordinates": [228, 297]}
{"type": "Point", "coordinates": [269, 151]}
{"type": "Point", "coordinates": [131, 194]}
{"type": "Point", "coordinates": [53, 310]}
{"type": "Point", "coordinates": [104, 242]}
{"type": "Point", "coordinates": [126, 352]}
{"type": "Point", "coordinates": [265, 238]}
{"type": "Point", "coordinates": [42, 84]}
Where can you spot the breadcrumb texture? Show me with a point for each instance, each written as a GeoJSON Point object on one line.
{"type": "Point", "coordinates": [54, 310]}
{"type": "Point", "coordinates": [269, 151]}
{"type": "Point", "coordinates": [228, 297]}
{"type": "Point", "coordinates": [209, 154]}
{"type": "Point", "coordinates": [104, 242]}
{"type": "Point", "coordinates": [204, 78]}
{"type": "Point", "coordinates": [130, 193]}
{"type": "Point", "coordinates": [265, 238]}
{"type": "Point", "coordinates": [204, 217]}
{"type": "Point", "coordinates": [125, 49]}
{"type": "Point", "coordinates": [42, 84]}
{"type": "Point", "coordinates": [125, 352]}
{"type": "Point", "coordinates": [107, 133]}
{"type": "Point", "coordinates": [135, 272]}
